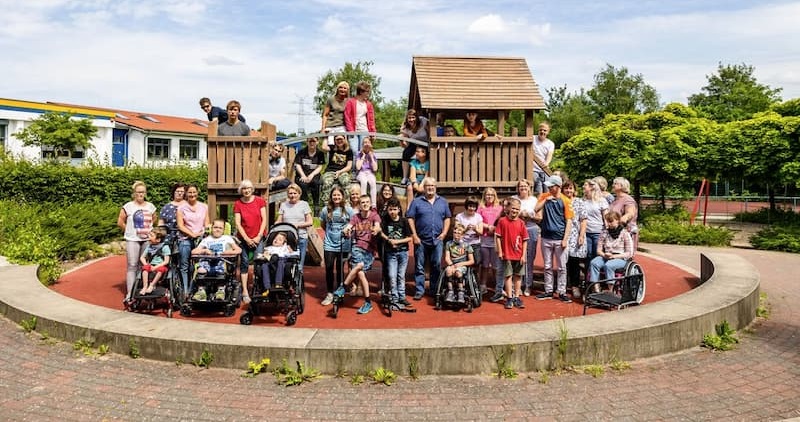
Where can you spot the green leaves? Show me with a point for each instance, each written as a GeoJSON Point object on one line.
{"type": "Point", "coordinates": [734, 94]}
{"type": "Point", "coordinates": [60, 131]}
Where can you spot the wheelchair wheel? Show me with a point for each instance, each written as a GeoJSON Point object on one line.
{"type": "Point", "coordinates": [186, 310]}
{"type": "Point", "coordinates": [475, 290]}
{"type": "Point", "coordinates": [230, 309]}
{"type": "Point", "coordinates": [301, 296]}
{"type": "Point", "coordinates": [246, 318]}
{"type": "Point", "coordinates": [169, 312]}
{"type": "Point", "coordinates": [291, 318]}
{"type": "Point", "coordinates": [634, 268]}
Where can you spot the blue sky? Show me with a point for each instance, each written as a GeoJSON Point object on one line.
{"type": "Point", "coordinates": [161, 56]}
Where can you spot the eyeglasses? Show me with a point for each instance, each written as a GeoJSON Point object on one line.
{"type": "Point", "coordinates": [205, 106]}
{"type": "Point", "coordinates": [247, 187]}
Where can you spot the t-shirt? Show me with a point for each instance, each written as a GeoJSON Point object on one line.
{"type": "Point", "coordinates": [529, 206]}
{"type": "Point", "coordinates": [555, 215]}
{"type": "Point", "coordinates": [489, 215]}
{"type": "Point", "coordinates": [421, 169]}
{"type": "Point", "coordinates": [194, 220]}
{"type": "Point", "coordinates": [336, 114]}
{"type": "Point", "coordinates": [459, 251]}
{"type": "Point", "coordinates": [337, 160]}
{"type": "Point", "coordinates": [333, 228]}
{"type": "Point", "coordinates": [620, 202]}
{"type": "Point", "coordinates": [396, 230]}
{"type": "Point", "coordinates": [422, 130]}
{"type": "Point", "coordinates": [218, 245]}
{"type": "Point", "coordinates": [154, 254]}
{"type": "Point", "coordinates": [361, 116]}
{"type": "Point", "coordinates": [236, 129]}
{"type": "Point", "coordinates": [541, 149]}
{"type": "Point", "coordinates": [362, 227]}
{"type": "Point", "coordinates": [138, 221]}
{"type": "Point", "coordinates": [276, 165]}
{"type": "Point", "coordinates": [251, 215]}
{"type": "Point", "coordinates": [511, 234]}
{"type": "Point", "coordinates": [295, 214]}
{"type": "Point", "coordinates": [221, 115]}
{"type": "Point", "coordinates": [470, 236]}
{"type": "Point", "coordinates": [366, 165]}
{"type": "Point", "coordinates": [593, 212]}
{"type": "Point", "coordinates": [281, 251]}
{"type": "Point", "coordinates": [308, 162]}
{"type": "Point", "coordinates": [169, 215]}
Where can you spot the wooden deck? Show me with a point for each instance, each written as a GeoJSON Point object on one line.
{"type": "Point", "coordinates": [463, 164]}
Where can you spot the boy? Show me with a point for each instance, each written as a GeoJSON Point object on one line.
{"type": "Point", "coordinates": [275, 256]}
{"type": "Point", "coordinates": [557, 215]}
{"type": "Point", "coordinates": [420, 168]}
{"type": "Point", "coordinates": [366, 225]}
{"type": "Point", "coordinates": [217, 244]}
{"type": "Point", "coordinates": [511, 243]}
{"type": "Point", "coordinates": [397, 234]}
{"type": "Point", "coordinates": [458, 255]}
{"type": "Point", "coordinates": [154, 259]}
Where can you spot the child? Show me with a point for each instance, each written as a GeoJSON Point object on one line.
{"type": "Point", "coordinates": [473, 226]}
{"type": "Point", "coordinates": [366, 225]}
{"type": "Point", "coordinates": [615, 246]}
{"type": "Point", "coordinates": [511, 243]}
{"type": "Point", "coordinates": [333, 219]}
{"type": "Point", "coordinates": [154, 259]}
{"type": "Point", "coordinates": [217, 244]}
{"type": "Point", "coordinates": [489, 211]}
{"type": "Point", "coordinates": [275, 255]}
{"type": "Point", "coordinates": [458, 255]}
{"type": "Point", "coordinates": [366, 164]}
{"type": "Point", "coordinates": [420, 167]}
{"type": "Point", "coordinates": [557, 216]}
{"type": "Point", "coordinates": [397, 235]}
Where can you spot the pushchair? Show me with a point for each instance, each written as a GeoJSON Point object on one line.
{"type": "Point", "coordinates": [288, 297]}
{"type": "Point", "coordinates": [222, 278]}
{"type": "Point", "coordinates": [163, 295]}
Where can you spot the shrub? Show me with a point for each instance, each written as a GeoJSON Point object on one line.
{"type": "Point", "coordinates": [785, 217]}
{"type": "Point", "coordinates": [658, 230]}
{"type": "Point", "coordinates": [778, 238]}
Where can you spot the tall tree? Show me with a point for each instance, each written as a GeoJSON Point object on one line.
{"type": "Point", "coordinates": [734, 94]}
{"type": "Point", "coordinates": [60, 131]}
{"type": "Point", "coordinates": [616, 91]}
{"type": "Point", "coordinates": [567, 113]}
{"type": "Point", "coordinates": [390, 114]}
{"type": "Point", "coordinates": [352, 74]}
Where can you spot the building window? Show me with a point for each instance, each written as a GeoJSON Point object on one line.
{"type": "Point", "coordinates": [3, 133]}
{"type": "Point", "coordinates": [189, 150]}
{"type": "Point", "coordinates": [157, 149]}
{"type": "Point", "coordinates": [49, 152]}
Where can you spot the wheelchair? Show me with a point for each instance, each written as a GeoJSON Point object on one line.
{"type": "Point", "coordinates": [628, 286]}
{"type": "Point", "coordinates": [472, 292]}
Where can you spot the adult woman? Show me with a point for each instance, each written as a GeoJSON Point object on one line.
{"type": "Point", "coordinates": [387, 193]}
{"type": "Point", "coordinates": [528, 215]}
{"type": "Point", "coordinates": [333, 113]}
{"type": "Point", "coordinates": [192, 222]}
{"type": "Point", "coordinates": [136, 221]}
{"type": "Point", "coordinates": [297, 213]}
{"type": "Point", "coordinates": [576, 245]}
{"type": "Point", "coordinates": [169, 212]}
{"type": "Point", "coordinates": [250, 217]}
{"type": "Point", "coordinates": [340, 162]}
{"type": "Point", "coordinates": [489, 210]}
{"type": "Point", "coordinates": [359, 114]}
{"type": "Point", "coordinates": [308, 166]}
{"type": "Point", "coordinates": [333, 218]}
{"type": "Point", "coordinates": [414, 127]}
{"type": "Point", "coordinates": [626, 206]}
{"type": "Point", "coordinates": [595, 206]}
{"type": "Point", "coordinates": [366, 164]}
{"type": "Point", "coordinates": [614, 248]}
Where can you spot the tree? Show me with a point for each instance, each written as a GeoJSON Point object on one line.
{"type": "Point", "coordinates": [615, 91]}
{"type": "Point", "coordinates": [352, 74]}
{"type": "Point", "coordinates": [389, 115]}
{"type": "Point", "coordinates": [60, 131]}
{"type": "Point", "coordinates": [567, 113]}
{"type": "Point", "coordinates": [734, 94]}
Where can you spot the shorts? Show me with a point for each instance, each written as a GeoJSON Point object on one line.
{"type": "Point", "coordinates": [513, 268]}
{"type": "Point", "coordinates": [360, 256]}
{"type": "Point", "coordinates": [488, 256]}
{"type": "Point", "coordinates": [460, 271]}
{"type": "Point", "coordinates": [162, 269]}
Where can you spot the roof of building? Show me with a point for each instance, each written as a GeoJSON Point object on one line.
{"type": "Point", "coordinates": [155, 122]}
{"type": "Point", "coordinates": [482, 84]}
{"type": "Point", "coordinates": [37, 107]}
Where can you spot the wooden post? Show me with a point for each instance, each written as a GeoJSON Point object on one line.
{"type": "Point", "coordinates": [501, 122]}
{"type": "Point", "coordinates": [529, 123]}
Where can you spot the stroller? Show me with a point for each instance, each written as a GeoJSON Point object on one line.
{"type": "Point", "coordinates": [287, 298]}
{"type": "Point", "coordinates": [162, 297]}
{"type": "Point", "coordinates": [212, 282]}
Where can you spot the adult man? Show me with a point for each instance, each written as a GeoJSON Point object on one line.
{"type": "Point", "coordinates": [429, 218]}
{"type": "Point", "coordinates": [233, 126]}
{"type": "Point", "coordinates": [543, 150]}
{"type": "Point", "coordinates": [216, 113]}
{"type": "Point", "coordinates": [308, 166]}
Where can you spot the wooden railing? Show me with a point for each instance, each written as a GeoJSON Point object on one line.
{"type": "Point", "coordinates": [464, 163]}
{"type": "Point", "coordinates": [232, 159]}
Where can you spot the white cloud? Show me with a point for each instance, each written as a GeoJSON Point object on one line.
{"type": "Point", "coordinates": [488, 24]}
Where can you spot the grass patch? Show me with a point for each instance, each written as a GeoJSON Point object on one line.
{"type": "Point", "coordinates": [723, 338]}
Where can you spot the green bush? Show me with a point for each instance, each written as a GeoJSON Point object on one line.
{"type": "Point", "coordinates": [766, 216]}
{"type": "Point", "coordinates": [778, 238]}
{"type": "Point", "coordinates": [664, 230]}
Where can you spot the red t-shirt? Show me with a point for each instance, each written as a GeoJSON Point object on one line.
{"type": "Point", "coordinates": [251, 214]}
{"type": "Point", "coordinates": [511, 234]}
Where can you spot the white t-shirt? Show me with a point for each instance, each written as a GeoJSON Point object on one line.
{"type": "Point", "coordinates": [542, 149]}
{"type": "Point", "coordinates": [275, 166]}
{"type": "Point", "coordinates": [139, 220]}
{"type": "Point", "coordinates": [361, 116]}
{"type": "Point", "coordinates": [218, 245]}
{"type": "Point", "coordinates": [470, 236]}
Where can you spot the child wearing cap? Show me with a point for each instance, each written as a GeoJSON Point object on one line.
{"type": "Point", "coordinates": [556, 212]}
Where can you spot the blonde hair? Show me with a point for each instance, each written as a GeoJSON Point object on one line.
{"type": "Point", "coordinates": [137, 184]}
{"type": "Point", "coordinates": [493, 192]}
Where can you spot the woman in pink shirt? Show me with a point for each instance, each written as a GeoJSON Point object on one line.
{"type": "Point", "coordinates": [192, 222]}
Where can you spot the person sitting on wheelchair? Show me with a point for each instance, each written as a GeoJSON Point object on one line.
{"type": "Point", "coordinates": [614, 248]}
{"type": "Point", "coordinates": [275, 256]}
{"type": "Point", "coordinates": [217, 244]}
{"type": "Point", "coordinates": [458, 256]}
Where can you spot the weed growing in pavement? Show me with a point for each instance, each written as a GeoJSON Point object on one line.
{"type": "Point", "coordinates": [179, 361]}
{"type": "Point", "coordinates": [102, 349]}
{"type": "Point", "coordinates": [544, 377]}
{"type": "Point", "coordinates": [83, 345]}
{"type": "Point", "coordinates": [28, 324]}
{"type": "Point", "coordinates": [619, 365]}
{"type": "Point", "coordinates": [501, 358]}
{"type": "Point", "coordinates": [288, 376]}
{"type": "Point", "coordinates": [594, 370]}
{"type": "Point", "coordinates": [357, 379]}
{"type": "Point", "coordinates": [563, 344]}
{"type": "Point", "coordinates": [205, 359]}
{"type": "Point", "coordinates": [255, 368]}
{"type": "Point", "coordinates": [723, 339]}
{"type": "Point", "coordinates": [133, 349]}
{"type": "Point", "coordinates": [383, 376]}
{"type": "Point", "coordinates": [762, 311]}
{"type": "Point", "coordinates": [413, 366]}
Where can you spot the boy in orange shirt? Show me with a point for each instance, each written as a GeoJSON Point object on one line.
{"type": "Point", "coordinates": [556, 212]}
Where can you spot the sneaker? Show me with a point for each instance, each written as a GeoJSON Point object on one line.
{"type": "Point", "coordinates": [339, 292]}
{"type": "Point", "coordinates": [265, 293]}
{"type": "Point", "coordinates": [418, 296]}
{"type": "Point", "coordinates": [404, 182]}
{"type": "Point", "coordinates": [544, 296]}
{"type": "Point", "coordinates": [497, 297]}
{"type": "Point", "coordinates": [460, 298]}
{"type": "Point", "coordinates": [509, 303]}
{"type": "Point", "coordinates": [518, 303]}
{"type": "Point", "coordinates": [365, 308]}
{"type": "Point", "coordinates": [200, 295]}
{"type": "Point", "coordinates": [399, 306]}
{"type": "Point", "coordinates": [328, 299]}
{"type": "Point", "coordinates": [220, 295]}
{"type": "Point", "coordinates": [450, 296]}
{"type": "Point", "coordinates": [527, 291]}
{"type": "Point", "coordinates": [576, 293]}
{"type": "Point", "coordinates": [564, 298]}
{"type": "Point", "coordinates": [404, 302]}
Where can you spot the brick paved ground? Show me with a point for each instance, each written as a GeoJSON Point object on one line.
{"type": "Point", "coordinates": [760, 380]}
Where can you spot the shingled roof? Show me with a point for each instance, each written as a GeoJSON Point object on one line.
{"type": "Point", "coordinates": [483, 84]}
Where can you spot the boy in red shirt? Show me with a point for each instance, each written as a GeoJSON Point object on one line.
{"type": "Point", "coordinates": [511, 243]}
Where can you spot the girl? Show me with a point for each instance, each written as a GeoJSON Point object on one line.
{"type": "Point", "coordinates": [489, 210]}
{"type": "Point", "coordinates": [616, 246]}
{"type": "Point", "coordinates": [414, 127]}
{"type": "Point", "coordinates": [366, 164]}
{"type": "Point", "coordinates": [333, 218]}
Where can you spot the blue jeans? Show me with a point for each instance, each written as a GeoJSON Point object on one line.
{"type": "Point", "coordinates": [431, 253]}
{"type": "Point", "coordinates": [610, 267]}
{"type": "Point", "coordinates": [500, 281]}
{"type": "Point", "coordinates": [248, 254]}
{"type": "Point", "coordinates": [533, 240]}
{"type": "Point", "coordinates": [302, 245]}
{"type": "Point", "coordinates": [185, 249]}
{"type": "Point", "coordinates": [592, 239]}
{"type": "Point", "coordinates": [397, 262]}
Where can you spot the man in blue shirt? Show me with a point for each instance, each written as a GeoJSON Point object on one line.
{"type": "Point", "coordinates": [429, 219]}
{"type": "Point", "coordinates": [214, 112]}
